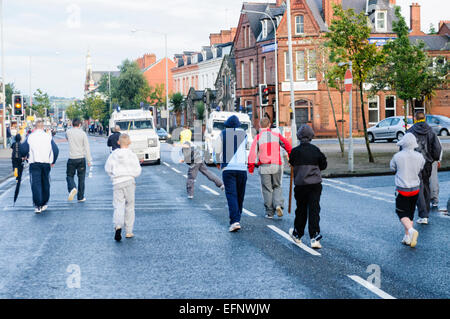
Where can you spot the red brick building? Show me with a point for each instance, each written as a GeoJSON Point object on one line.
{"type": "Point", "coordinates": [155, 71]}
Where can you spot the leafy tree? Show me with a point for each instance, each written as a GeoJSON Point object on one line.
{"type": "Point", "coordinates": [177, 101]}
{"type": "Point", "coordinates": [41, 102]}
{"type": "Point", "coordinates": [158, 95]}
{"type": "Point", "coordinates": [200, 110]}
{"type": "Point", "coordinates": [131, 85]}
{"type": "Point", "coordinates": [348, 41]}
{"type": "Point", "coordinates": [9, 91]}
{"type": "Point", "coordinates": [432, 29]}
{"type": "Point", "coordinates": [74, 110]}
{"type": "Point", "coordinates": [95, 107]}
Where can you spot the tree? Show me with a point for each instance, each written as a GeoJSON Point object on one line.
{"type": "Point", "coordinates": [432, 29]}
{"type": "Point", "coordinates": [9, 91]}
{"type": "Point", "coordinates": [131, 85]}
{"type": "Point", "coordinates": [407, 70]}
{"type": "Point", "coordinates": [74, 111]}
{"type": "Point", "coordinates": [348, 41]}
{"type": "Point", "coordinates": [95, 108]}
{"type": "Point", "coordinates": [41, 103]}
{"type": "Point", "coordinates": [177, 101]}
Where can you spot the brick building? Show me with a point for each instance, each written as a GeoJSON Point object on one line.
{"type": "Point", "coordinates": [154, 71]}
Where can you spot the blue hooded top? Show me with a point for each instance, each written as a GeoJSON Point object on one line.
{"type": "Point", "coordinates": [234, 142]}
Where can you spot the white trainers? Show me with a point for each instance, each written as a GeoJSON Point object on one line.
{"type": "Point", "coordinates": [72, 194]}
{"type": "Point", "coordinates": [268, 216]}
{"type": "Point", "coordinates": [82, 200]}
{"type": "Point", "coordinates": [222, 188]}
{"type": "Point", "coordinates": [294, 236]}
{"type": "Point", "coordinates": [423, 221]}
{"type": "Point", "coordinates": [38, 210]}
{"type": "Point", "coordinates": [235, 227]}
{"type": "Point", "coordinates": [190, 197]}
{"type": "Point", "coordinates": [413, 234]}
{"type": "Point", "coordinates": [129, 235]}
{"type": "Point", "coordinates": [43, 208]}
{"type": "Point", "coordinates": [315, 244]}
{"type": "Point", "coordinates": [406, 240]}
{"type": "Point", "coordinates": [279, 211]}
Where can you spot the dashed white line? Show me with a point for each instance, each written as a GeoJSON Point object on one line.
{"type": "Point", "coordinates": [245, 211]}
{"type": "Point", "coordinates": [210, 190]}
{"type": "Point", "coordinates": [286, 236]}
{"type": "Point", "coordinates": [7, 181]}
{"type": "Point", "coordinates": [185, 176]}
{"type": "Point", "coordinates": [175, 170]}
{"type": "Point", "coordinates": [371, 287]}
{"type": "Point", "coordinates": [359, 193]}
{"type": "Point", "coordinates": [166, 164]}
{"type": "Point", "coordinates": [208, 207]}
{"type": "Point", "coordinates": [358, 187]}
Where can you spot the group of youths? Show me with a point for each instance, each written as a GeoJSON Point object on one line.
{"type": "Point", "coordinates": [419, 149]}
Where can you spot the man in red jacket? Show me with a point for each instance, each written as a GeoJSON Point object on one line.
{"type": "Point", "coordinates": [265, 153]}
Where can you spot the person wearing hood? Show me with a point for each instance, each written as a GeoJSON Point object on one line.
{"type": "Point", "coordinates": [231, 157]}
{"type": "Point", "coordinates": [123, 167]}
{"type": "Point", "coordinates": [308, 162]}
{"type": "Point", "coordinates": [407, 165]}
{"type": "Point", "coordinates": [114, 138]}
{"type": "Point", "coordinates": [430, 148]}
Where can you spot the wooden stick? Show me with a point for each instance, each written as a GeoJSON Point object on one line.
{"type": "Point", "coordinates": [290, 189]}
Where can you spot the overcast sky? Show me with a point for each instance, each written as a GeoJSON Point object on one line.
{"type": "Point", "coordinates": [58, 33]}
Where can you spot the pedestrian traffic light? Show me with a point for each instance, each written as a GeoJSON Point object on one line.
{"type": "Point", "coordinates": [17, 102]}
{"type": "Point", "coordinates": [263, 95]}
{"type": "Point", "coordinates": [237, 105]}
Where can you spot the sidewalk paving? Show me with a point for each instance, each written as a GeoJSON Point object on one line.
{"type": "Point", "coordinates": [5, 165]}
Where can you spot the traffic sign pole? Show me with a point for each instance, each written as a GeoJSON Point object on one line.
{"type": "Point", "coordinates": [348, 82]}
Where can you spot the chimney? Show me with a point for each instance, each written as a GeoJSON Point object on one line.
{"type": "Point", "coordinates": [149, 59]}
{"type": "Point", "coordinates": [392, 2]}
{"type": "Point", "coordinates": [327, 7]}
{"type": "Point", "coordinates": [415, 20]}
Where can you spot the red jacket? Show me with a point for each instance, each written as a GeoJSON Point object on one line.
{"type": "Point", "coordinates": [265, 149]}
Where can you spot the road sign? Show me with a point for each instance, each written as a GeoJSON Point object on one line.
{"type": "Point", "coordinates": [348, 81]}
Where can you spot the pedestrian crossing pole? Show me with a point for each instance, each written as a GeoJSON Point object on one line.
{"type": "Point", "coordinates": [348, 83]}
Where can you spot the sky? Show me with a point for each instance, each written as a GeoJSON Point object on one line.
{"type": "Point", "coordinates": [49, 39]}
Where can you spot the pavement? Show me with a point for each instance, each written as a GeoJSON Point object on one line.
{"type": "Point", "coordinates": [182, 248]}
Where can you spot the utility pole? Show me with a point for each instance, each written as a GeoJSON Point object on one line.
{"type": "Point", "coordinates": [3, 76]}
{"type": "Point", "coordinates": [291, 75]}
{"type": "Point", "coordinates": [167, 84]}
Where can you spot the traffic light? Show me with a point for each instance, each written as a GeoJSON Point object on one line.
{"type": "Point", "coordinates": [17, 102]}
{"type": "Point", "coordinates": [237, 105]}
{"type": "Point", "coordinates": [263, 95]}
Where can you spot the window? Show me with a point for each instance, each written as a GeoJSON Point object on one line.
{"type": "Point", "coordinates": [374, 110]}
{"type": "Point", "coordinates": [312, 65]}
{"type": "Point", "coordinates": [395, 121]}
{"type": "Point", "coordinates": [252, 83]}
{"type": "Point", "coordinates": [249, 37]}
{"type": "Point", "coordinates": [300, 70]}
{"type": "Point", "coordinates": [385, 123]}
{"type": "Point", "coordinates": [286, 66]}
{"type": "Point", "coordinates": [390, 106]}
{"type": "Point", "coordinates": [264, 28]}
{"type": "Point", "coordinates": [380, 21]}
{"type": "Point", "coordinates": [242, 74]}
{"type": "Point", "coordinates": [245, 36]}
{"type": "Point", "coordinates": [264, 70]}
{"type": "Point", "coordinates": [299, 27]}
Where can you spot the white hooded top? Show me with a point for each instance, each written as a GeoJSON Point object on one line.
{"type": "Point", "coordinates": [122, 166]}
{"type": "Point", "coordinates": [407, 163]}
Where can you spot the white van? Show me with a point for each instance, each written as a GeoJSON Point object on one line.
{"type": "Point", "coordinates": [215, 125]}
{"type": "Point", "coordinates": [140, 126]}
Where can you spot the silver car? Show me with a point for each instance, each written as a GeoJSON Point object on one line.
{"type": "Point", "coordinates": [439, 123]}
{"type": "Point", "coordinates": [391, 128]}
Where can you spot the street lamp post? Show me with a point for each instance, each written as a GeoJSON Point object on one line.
{"type": "Point", "coordinates": [291, 75]}
{"type": "Point", "coordinates": [167, 74]}
{"type": "Point", "coordinates": [350, 124]}
{"type": "Point", "coordinates": [277, 108]}
{"type": "Point", "coordinates": [3, 76]}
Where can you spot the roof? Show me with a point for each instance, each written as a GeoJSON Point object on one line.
{"type": "Point", "coordinates": [316, 9]}
{"type": "Point", "coordinates": [370, 6]}
{"type": "Point", "coordinates": [433, 42]}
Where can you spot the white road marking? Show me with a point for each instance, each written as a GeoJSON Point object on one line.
{"type": "Point", "coordinates": [359, 193]}
{"type": "Point", "coordinates": [208, 207]}
{"type": "Point", "coordinates": [371, 287]}
{"type": "Point", "coordinates": [166, 164]}
{"type": "Point", "coordinates": [210, 190]}
{"type": "Point", "coordinates": [7, 181]}
{"type": "Point", "coordinates": [13, 188]}
{"type": "Point", "coordinates": [286, 235]}
{"type": "Point", "coordinates": [185, 176]}
{"type": "Point", "coordinates": [358, 187]}
{"type": "Point", "coordinates": [249, 213]}
{"type": "Point", "coordinates": [175, 170]}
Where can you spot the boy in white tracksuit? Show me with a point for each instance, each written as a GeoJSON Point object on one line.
{"type": "Point", "coordinates": [123, 167]}
{"type": "Point", "coordinates": [407, 165]}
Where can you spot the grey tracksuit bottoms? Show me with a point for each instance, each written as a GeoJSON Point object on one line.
{"type": "Point", "coordinates": [192, 175]}
{"type": "Point", "coordinates": [272, 191]}
{"type": "Point", "coordinates": [123, 202]}
{"type": "Point", "coordinates": [434, 184]}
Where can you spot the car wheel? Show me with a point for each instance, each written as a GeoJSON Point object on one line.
{"type": "Point", "coordinates": [400, 135]}
{"type": "Point", "coordinates": [158, 162]}
{"type": "Point", "coordinates": [371, 138]}
{"type": "Point", "coordinates": [443, 132]}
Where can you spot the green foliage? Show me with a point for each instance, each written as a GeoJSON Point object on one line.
{"type": "Point", "coordinates": [177, 101]}
{"type": "Point", "coordinates": [200, 108]}
{"type": "Point", "coordinates": [41, 101]}
{"type": "Point", "coordinates": [9, 91]}
{"type": "Point", "coordinates": [94, 108]}
{"type": "Point", "coordinates": [74, 110]}
{"type": "Point", "coordinates": [131, 87]}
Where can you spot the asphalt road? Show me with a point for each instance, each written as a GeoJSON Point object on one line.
{"type": "Point", "coordinates": [182, 248]}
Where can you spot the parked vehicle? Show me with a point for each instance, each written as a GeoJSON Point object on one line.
{"type": "Point", "coordinates": [439, 123]}
{"type": "Point", "coordinates": [215, 125]}
{"type": "Point", "coordinates": [139, 125]}
{"type": "Point", "coordinates": [391, 128]}
{"type": "Point", "coordinates": [162, 134]}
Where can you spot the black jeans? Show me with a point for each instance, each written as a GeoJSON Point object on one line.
{"type": "Point", "coordinates": [78, 166]}
{"type": "Point", "coordinates": [308, 208]}
{"type": "Point", "coordinates": [424, 200]}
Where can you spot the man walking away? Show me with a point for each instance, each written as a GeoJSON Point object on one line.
{"type": "Point", "coordinates": [230, 152]}
{"type": "Point", "coordinates": [123, 167]}
{"type": "Point", "coordinates": [307, 161]}
{"type": "Point", "coordinates": [407, 165]}
{"type": "Point", "coordinates": [42, 154]}
{"type": "Point", "coordinates": [430, 148]}
{"type": "Point", "coordinates": [194, 159]}
{"type": "Point", "coordinates": [434, 182]}
{"type": "Point", "coordinates": [265, 152]}
{"type": "Point", "coordinates": [114, 138]}
{"type": "Point", "coordinates": [78, 154]}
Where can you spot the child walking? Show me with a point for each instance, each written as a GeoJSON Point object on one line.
{"type": "Point", "coordinates": [123, 167]}
{"type": "Point", "coordinates": [407, 165]}
{"type": "Point", "coordinates": [307, 161]}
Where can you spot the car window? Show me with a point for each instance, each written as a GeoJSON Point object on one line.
{"type": "Point", "coordinates": [385, 123]}
{"type": "Point", "coordinates": [395, 121]}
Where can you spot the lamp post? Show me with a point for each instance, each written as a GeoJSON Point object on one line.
{"type": "Point", "coordinates": [277, 108]}
{"type": "Point", "coordinates": [167, 74]}
{"type": "Point", "coordinates": [291, 75]}
{"type": "Point", "coordinates": [3, 76]}
{"type": "Point", "coordinates": [350, 111]}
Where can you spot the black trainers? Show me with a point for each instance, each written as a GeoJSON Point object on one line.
{"type": "Point", "coordinates": [118, 235]}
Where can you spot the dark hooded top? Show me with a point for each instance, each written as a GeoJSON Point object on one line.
{"type": "Point", "coordinates": [427, 140]}
{"type": "Point", "coordinates": [307, 159]}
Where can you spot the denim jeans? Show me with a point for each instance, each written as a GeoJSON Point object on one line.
{"type": "Point", "coordinates": [234, 182]}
